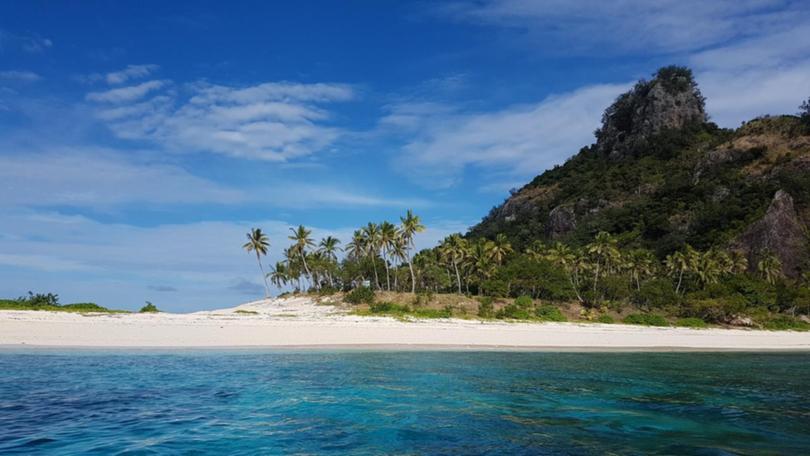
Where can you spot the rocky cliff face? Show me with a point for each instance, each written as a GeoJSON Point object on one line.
{"type": "Point", "coordinates": [671, 100]}
{"type": "Point", "coordinates": [779, 232]}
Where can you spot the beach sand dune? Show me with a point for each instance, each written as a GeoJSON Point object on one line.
{"type": "Point", "coordinates": [302, 322]}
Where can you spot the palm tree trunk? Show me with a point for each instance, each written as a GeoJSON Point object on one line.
{"type": "Point", "coordinates": [413, 276]}
{"type": "Point", "coordinates": [680, 277]}
{"type": "Point", "coordinates": [387, 277]}
{"type": "Point", "coordinates": [306, 268]}
{"type": "Point", "coordinates": [264, 277]}
{"type": "Point", "coordinates": [376, 277]}
{"type": "Point", "coordinates": [458, 277]}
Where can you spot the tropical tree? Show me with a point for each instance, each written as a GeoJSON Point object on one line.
{"type": "Point", "coordinates": [640, 264]}
{"type": "Point", "coordinates": [455, 248]}
{"type": "Point", "coordinates": [302, 239]}
{"type": "Point", "coordinates": [410, 225]}
{"type": "Point", "coordinates": [258, 243]}
{"type": "Point", "coordinates": [279, 274]}
{"type": "Point", "coordinates": [329, 248]}
{"type": "Point", "coordinates": [562, 256]}
{"type": "Point", "coordinates": [678, 264]}
{"type": "Point", "coordinates": [388, 236]}
{"type": "Point", "coordinates": [371, 232]}
{"type": "Point", "coordinates": [604, 252]}
{"type": "Point", "coordinates": [770, 268]}
{"type": "Point", "coordinates": [500, 249]}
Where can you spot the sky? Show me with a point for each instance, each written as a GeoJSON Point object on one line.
{"type": "Point", "coordinates": [140, 141]}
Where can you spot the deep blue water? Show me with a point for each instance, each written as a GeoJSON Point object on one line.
{"type": "Point", "coordinates": [333, 402]}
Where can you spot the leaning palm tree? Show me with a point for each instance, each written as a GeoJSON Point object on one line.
{"type": "Point", "coordinates": [603, 250]}
{"type": "Point", "coordinates": [455, 248]}
{"type": "Point", "coordinates": [302, 239]}
{"type": "Point", "coordinates": [279, 274]}
{"type": "Point", "coordinates": [258, 242]}
{"type": "Point", "coordinates": [410, 225]}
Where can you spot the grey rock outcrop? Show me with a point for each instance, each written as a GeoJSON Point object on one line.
{"type": "Point", "coordinates": [561, 221]}
{"type": "Point", "coordinates": [669, 101]}
{"type": "Point", "coordinates": [780, 232]}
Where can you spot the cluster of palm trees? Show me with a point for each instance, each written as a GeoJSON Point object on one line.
{"type": "Point", "coordinates": [380, 255]}
{"type": "Point", "coordinates": [309, 265]}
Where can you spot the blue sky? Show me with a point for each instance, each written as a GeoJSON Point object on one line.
{"type": "Point", "coordinates": [139, 141]}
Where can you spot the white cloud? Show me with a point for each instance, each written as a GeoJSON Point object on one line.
{"type": "Point", "coordinates": [96, 177]}
{"type": "Point", "coordinates": [629, 26]}
{"type": "Point", "coordinates": [523, 140]}
{"type": "Point", "coordinates": [769, 74]}
{"type": "Point", "coordinates": [126, 94]}
{"type": "Point", "coordinates": [270, 121]}
{"type": "Point", "coordinates": [130, 72]}
{"type": "Point", "coordinates": [20, 75]}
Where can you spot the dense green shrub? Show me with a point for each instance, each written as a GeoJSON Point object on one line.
{"type": "Point", "coordinates": [785, 322]}
{"type": "Point", "coordinates": [524, 302]}
{"type": "Point", "coordinates": [360, 295]}
{"type": "Point", "coordinates": [149, 308]}
{"type": "Point", "coordinates": [388, 307]}
{"type": "Point", "coordinates": [550, 313]}
{"type": "Point", "coordinates": [486, 309]}
{"type": "Point", "coordinates": [513, 311]}
{"type": "Point", "coordinates": [604, 319]}
{"type": "Point", "coordinates": [85, 307]}
{"type": "Point", "coordinates": [715, 310]}
{"type": "Point", "coordinates": [646, 320]}
{"type": "Point", "coordinates": [656, 294]}
{"type": "Point", "coordinates": [691, 322]}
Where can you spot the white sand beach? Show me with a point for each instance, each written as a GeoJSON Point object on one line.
{"type": "Point", "coordinates": [300, 322]}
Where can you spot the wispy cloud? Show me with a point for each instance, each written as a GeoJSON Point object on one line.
{"type": "Point", "coordinates": [32, 43]}
{"type": "Point", "coordinates": [596, 27]}
{"type": "Point", "coordinates": [20, 75]}
{"type": "Point", "coordinates": [522, 140]}
{"type": "Point", "coordinates": [129, 73]}
{"type": "Point", "coordinates": [125, 94]}
{"type": "Point", "coordinates": [272, 121]}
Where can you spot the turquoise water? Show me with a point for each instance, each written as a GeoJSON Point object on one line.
{"type": "Point", "coordinates": [333, 402]}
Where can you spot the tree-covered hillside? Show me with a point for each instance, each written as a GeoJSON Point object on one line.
{"type": "Point", "coordinates": [660, 176]}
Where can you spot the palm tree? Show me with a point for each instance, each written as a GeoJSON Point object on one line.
{"type": "Point", "coordinates": [603, 250]}
{"type": "Point", "coordinates": [562, 256]}
{"type": "Point", "coordinates": [640, 264]}
{"type": "Point", "coordinates": [455, 247]}
{"type": "Point", "coordinates": [258, 242]}
{"type": "Point", "coordinates": [328, 248]}
{"type": "Point", "coordinates": [399, 252]}
{"type": "Point", "coordinates": [372, 242]}
{"type": "Point", "coordinates": [739, 263]}
{"type": "Point", "coordinates": [677, 264]}
{"type": "Point", "coordinates": [410, 226]}
{"type": "Point", "coordinates": [388, 235]}
{"type": "Point", "coordinates": [279, 274]}
{"type": "Point", "coordinates": [536, 251]}
{"type": "Point", "coordinates": [302, 239]}
{"type": "Point", "coordinates": [770, 267]}
{"type": "Point", "coordinates": [500, 248]}
{"type": "Point", "coordinates": [481, 256]}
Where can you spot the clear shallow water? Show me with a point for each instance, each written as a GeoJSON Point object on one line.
{"type": "Point", "coordinates": [237, 402]}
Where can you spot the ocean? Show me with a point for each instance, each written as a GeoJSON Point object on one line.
{"type": "Point", "coordinates": [142, 402]}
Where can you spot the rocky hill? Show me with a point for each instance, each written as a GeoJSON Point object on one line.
{"type": "Point", "coordinates": [660, 175]}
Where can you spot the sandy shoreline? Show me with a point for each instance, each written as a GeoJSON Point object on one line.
{"type": "Point", "coordinates": [298, 323]}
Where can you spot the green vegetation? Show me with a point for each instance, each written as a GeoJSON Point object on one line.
{"type": "Point", "coordinates": [50, 301]}
{"type": "Point", "coordinates": [691, 322]}
{"type": "Point", "coordinates": [360, 295]}
{"type": "Point", "coordinates": [785, 322]}
{"type": "Point", "coordinates": [646, 320]}
{"type": "Point", "coordinates": [605, 319]}
{"type": "Point", "coordinates": [149, 308]}
{"type": "Point", "coordinates": [245, 312]}
{"type": "Point", "coordinates": [550, 313]}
